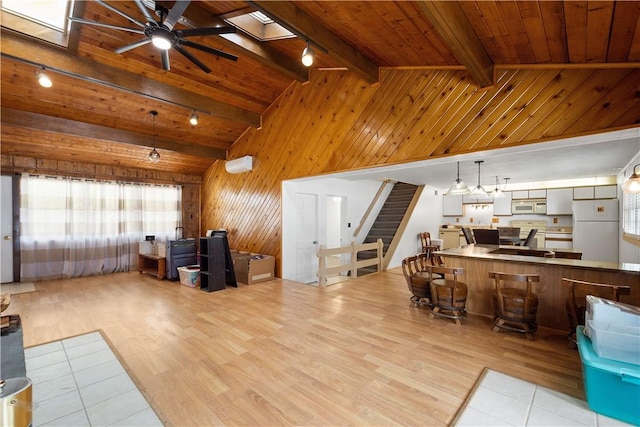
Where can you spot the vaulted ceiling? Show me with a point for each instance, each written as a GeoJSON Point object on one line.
{"type": "Point", "coordinates": [98, 108]}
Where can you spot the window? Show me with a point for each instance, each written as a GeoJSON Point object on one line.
{"type": "Point", "coordinates": [631, 214]}
{"type": "Point", "coordinates": [43, 19]}
{"type": "Point", "coordinates": [260, 26]}
{"type": "Point", "coordinates": [74, 227]}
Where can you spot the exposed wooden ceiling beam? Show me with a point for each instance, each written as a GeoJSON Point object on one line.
{"type": "Point", "coordinates": [252, 48]}
{"type": "Point", "coordinates": [58, 60]}
{"type": "Point", "coordinates": [295, 20]}
{"type": "Point", "coordinates": [455, 29]}
{"type": "Point", "coordinates": [12, 117]}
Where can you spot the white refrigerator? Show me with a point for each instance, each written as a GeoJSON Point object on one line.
{"type": "Point", "coordinates": [595, 229]}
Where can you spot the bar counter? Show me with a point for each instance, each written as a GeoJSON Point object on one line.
{"type": "Point", "coordinates": [479, 260]}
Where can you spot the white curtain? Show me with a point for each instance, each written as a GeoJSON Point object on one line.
{"type": "Point", "coordinates": [73, 227]}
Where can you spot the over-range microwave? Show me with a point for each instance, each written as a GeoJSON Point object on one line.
{"type": "Point", "coordinates": [529, 206]}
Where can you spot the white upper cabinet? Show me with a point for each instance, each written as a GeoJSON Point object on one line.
{"type": "Point", "coordinates": [537, 194]}
{"type": "Point", "coordinates": [520, 194]}
{"type": "Point", "coordinates": [502, 206]}
{"type": "Point", "coordinates": [606, 192]}
{"type": "Point", "coordinates": [559, 201]}
{"type": "Point", "coordinates": [452, 205]}
{"type": "Point", "coordinates": [583, 193]}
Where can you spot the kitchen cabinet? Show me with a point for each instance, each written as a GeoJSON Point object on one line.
{"type": "Point", "coordinates": [502, 206]}
{"type": "Point", "coordinates": [606, 192]}
{"type": "Point", "coordinates": [468, 199]}
{"type": "Point", "coordinates": [450, 237]}
{"type": "Point", "coordinates": [452, 205]}
{"type": "Point", "coordinates": [537, 194]}
{"type": "Point", "coordinates": [520, 194]}
{"type": "Point", "coordinates": [583, 193]}
{"type": "Point", "coordinates": [559, 201]}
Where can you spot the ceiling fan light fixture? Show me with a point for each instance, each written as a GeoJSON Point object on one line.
{"type": "Point", "coordinates": [43, 78]}
{"type": "Point", "coordinates": [458, 187]}
{"type": "Point", "coordinates": [632, 184]}
{"type": "Point", "coordinates": [161, 42]}
{"type": "Point", "coordinates": [308, 56]}
{"type": "Point", "coordinates": [479, 190]}
{"type": "Point", "coordinates": [193, 119]}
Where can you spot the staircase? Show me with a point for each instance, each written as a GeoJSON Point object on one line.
{"type": "Point", "coordinates": [388, 221]}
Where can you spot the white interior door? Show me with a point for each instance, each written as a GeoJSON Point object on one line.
{"type": "Point", "coordinates": [6, 220]}
{"type": "Point", "coordinates": [306, 237]}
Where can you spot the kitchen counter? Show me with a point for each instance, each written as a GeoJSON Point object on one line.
{"type": "Point", "coordinates": [479, 260]}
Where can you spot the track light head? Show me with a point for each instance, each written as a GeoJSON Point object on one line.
{"type": "Point", "coordinates": [193, 119]}
{"type": "Point", "coordinates": [43, 78]}
{"type": "Point", "coordinates": [308, 56]}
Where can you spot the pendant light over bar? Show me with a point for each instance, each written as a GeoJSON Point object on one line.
{"type": "Point", "coordinates": [498, 193]}
{"type": "Point", "coordinates": [479, 190]}
{"type": "Point", "coordinates": [458, 187]}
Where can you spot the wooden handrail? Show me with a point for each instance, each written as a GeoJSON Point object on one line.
{"type": "Point", "coordinates": [365, 216]}
{"type": "Point", "coordinates": [353, 265]}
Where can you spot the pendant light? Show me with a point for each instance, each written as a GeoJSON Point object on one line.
{"type": "Point", "coordinates": [307, 56]}
{"type": "Point", "coordinates": [154, 156]}
{"type": "Point", "coordinates": [632, 185]}
{"type": "Point", "coordinates": [458, 187]}
{"type": "Point", "coordinates": [498, 193]}
{"type": "Point", "coordinates": [479, 190]}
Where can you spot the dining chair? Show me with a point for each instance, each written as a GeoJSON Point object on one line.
{"type": "Point", "coordinates": [485, 236]}
{"type": "Point", "coordinates": [468, 235]}
{"type": "Point", "coordinates": [530, 237]}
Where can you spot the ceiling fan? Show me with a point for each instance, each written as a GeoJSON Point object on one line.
{"type": "Point", "coordinates": [162, 34]}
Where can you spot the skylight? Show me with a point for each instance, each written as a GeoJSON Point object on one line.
{"type": "Point", "coordinates": [43, 19]}
{"type": "Point", "coordinates": [260, 26]}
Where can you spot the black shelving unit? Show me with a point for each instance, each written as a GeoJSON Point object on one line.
{"type": "Point", "coordinates": [216, 264]}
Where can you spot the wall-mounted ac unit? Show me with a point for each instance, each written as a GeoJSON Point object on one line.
{"type": "Point", "coordinates": [243, 164]}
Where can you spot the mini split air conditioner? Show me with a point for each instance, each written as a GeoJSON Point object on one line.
{"type": "Point", "coordinates": [243, 164]}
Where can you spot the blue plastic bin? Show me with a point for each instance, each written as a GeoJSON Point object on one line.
{"type": "Point", "coordinates": [612, 387]}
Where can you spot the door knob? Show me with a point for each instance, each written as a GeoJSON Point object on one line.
{"type": "Point", "coordinates": [7, 237]}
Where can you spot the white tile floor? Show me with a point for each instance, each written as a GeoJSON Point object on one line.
{"type": "Point", "coordinates": [80, 382]}
{"type": "Point", "coordinates": [502, 400]}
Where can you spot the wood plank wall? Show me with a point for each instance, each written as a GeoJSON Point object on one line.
{"type": "Point", "coordinates": [190, 183]}
{"type": "Point", "coordinates": [337, 122]}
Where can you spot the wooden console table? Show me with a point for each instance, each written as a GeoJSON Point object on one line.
{"type": "Point", "coordinates": [152, 264]}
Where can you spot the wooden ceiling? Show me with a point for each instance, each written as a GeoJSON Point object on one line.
{"type": "Point", "coordinates": [98, 108]}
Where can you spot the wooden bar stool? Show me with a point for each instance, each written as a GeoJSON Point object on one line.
{"type": "Point", "coordinates": [415, 273]}
{"type": "Point", "coordinates": [448, 295]}
{"type": "Point", "coordinates": [515, 307]}
{"type": "Point", "coordinates": [576, 302]}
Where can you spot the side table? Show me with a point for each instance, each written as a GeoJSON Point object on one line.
{"type": "Point", "coordinates": [152, 264]}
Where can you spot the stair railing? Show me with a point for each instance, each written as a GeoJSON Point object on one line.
{"type": "Point", "coordinates": [367, 213]}
{"type": "Point", "coordinates": [353, 265]}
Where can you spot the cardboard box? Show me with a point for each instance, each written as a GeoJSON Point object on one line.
{"type": "Point", "coordinates": [253, 268]}
{"type": "Point", "coordinates": [612, 388]}
{"type": "Point", "coordinates": [144, 248]}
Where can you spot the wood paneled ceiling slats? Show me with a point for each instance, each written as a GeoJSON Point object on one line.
{"type": "Point", "coordinates": [599, 20]}
{"type": "Point", "coordinates": [523, 47]}
{"type": "Point", "coordinates": [575, 13]}
{"type": "Point", "coordinates": [623, 36]}
{"type": "Point", "coordinates": [534, 31]}
{"type": "Point", "coordinates": [552, 19]}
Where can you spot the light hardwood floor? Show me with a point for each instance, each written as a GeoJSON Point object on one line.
{"type": "Point", "coordinates": [283, 353]}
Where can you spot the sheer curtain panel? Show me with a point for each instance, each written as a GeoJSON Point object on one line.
{"type": "Point", "coordinates": [74, 227]}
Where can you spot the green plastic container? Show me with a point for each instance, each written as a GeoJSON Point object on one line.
{"type": "Point", "coordinates": [612, 387]}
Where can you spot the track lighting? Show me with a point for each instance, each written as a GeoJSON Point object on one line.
{"type": "Point", "coordinates": [154, 156]}
{"type": "Point", "coordinates": [307, 56]}
{"type": "Point", "coordinates": [479, 190]}
{"type": "Point", "coordinates": [43, 78]}
{"type": "Point", "coordinates": [632, 185]}
{"type": "Point", "coordinates": [194, 118]}
{"type": "Point", "coordinates": [458, 187]}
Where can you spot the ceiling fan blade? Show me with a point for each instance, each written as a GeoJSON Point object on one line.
{"type": "Point", "coordinates": [176, 13]}
{"type": "Point", "coordinates": [144, 11]}
{"type": "Point", "coordinates": [128, 47]}
{"type": "Point", "coordinates": [209, 50]}
{"type": "Point", "coordinates": [124, 15]}
{"type": "Point", "coordinates": [166, 64]}
{"type": "Point", "coordinates": [100, 24]}
{"type": "Point", "coordinates": [205, 31]}
{"type": "Point", "coordinates": [192, 59]}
